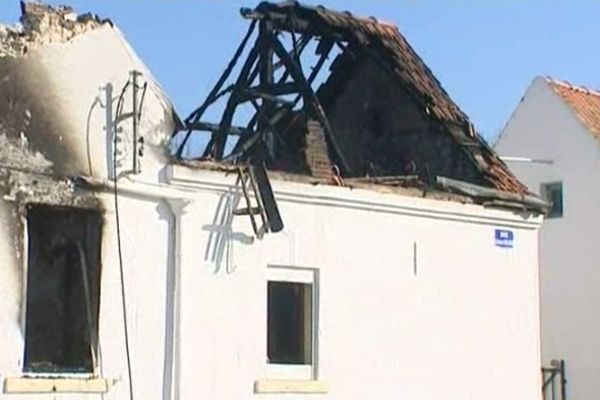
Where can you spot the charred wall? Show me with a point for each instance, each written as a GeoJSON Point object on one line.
{"type": "Point", "coordinates": [31, 105]}
{"type": "Point", "coordinates": [28, 106]}
{"type": "Point", "coordinates": [67, 89]}
{"type": "Point", "coordinates": [381, 132]}
{"type": "Point", "coordinates": [64, 113]}
{"type": "Point", "coordinates": [50, 130]}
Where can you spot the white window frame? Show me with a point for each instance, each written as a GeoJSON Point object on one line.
{"type": "Point", "coordinates": [278, 273]}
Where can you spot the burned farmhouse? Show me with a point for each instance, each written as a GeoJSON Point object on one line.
{"type": "Point", "coordinates": [327, 222]}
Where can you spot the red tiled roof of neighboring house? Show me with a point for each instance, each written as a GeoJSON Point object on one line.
{"type": "Point", "coordinates": [584, 102]}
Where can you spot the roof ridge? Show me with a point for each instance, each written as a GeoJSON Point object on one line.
{"type": "Point", "coordinates": [345, 13]}
{"type": "Point", "coordinates": [569, 85]}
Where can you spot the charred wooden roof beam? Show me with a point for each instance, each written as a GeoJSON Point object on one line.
{"type": "Point", "coordinates": [267, 95]}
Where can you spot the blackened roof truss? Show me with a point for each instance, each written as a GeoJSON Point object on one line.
{"type": "Point", "coordinates": [257, 84]}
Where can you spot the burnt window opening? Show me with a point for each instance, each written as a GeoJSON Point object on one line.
{"type": "Point", "coordinates": [63, 289]}
{"type": "Point", "coordinates": [290, 323]}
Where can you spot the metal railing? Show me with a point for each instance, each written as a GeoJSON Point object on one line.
{"type": "Point", "coordinates": [554, 380]}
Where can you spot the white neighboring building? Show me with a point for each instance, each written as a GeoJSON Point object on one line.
{"type": "Point", "coordinates": [370, 291]}
{"type": "Point", "coordinates": [560, 123]}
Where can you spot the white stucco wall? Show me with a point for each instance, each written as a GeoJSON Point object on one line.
{"type": "Point", "coordinates": [465, 326]}
{"type": "Point", "coordinates": [543, 127]}
{"type": "Point", "coordinates": [465, 323]}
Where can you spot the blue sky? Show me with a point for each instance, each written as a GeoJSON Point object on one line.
{"type": "Point", "coordinates": [484, 52]}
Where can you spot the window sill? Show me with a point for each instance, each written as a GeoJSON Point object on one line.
{"type": "Point", "coordinates": [290, 386]}
{"type": "Point", "coordinates": [56, 385]}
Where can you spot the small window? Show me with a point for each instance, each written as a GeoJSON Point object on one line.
{"type": "Point", "coordinates": [63, 290]}
{"type": "Point", "coordinates": [289, 323]}
{"type": "Point", "coordinates": [292, 323]}
{"type": "Point", "coordinates": [553, 193]}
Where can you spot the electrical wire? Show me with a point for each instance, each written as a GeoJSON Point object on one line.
{"type": "Point", "coordinates": [119, 247]}
{"type": "Point", "coordinates": [144, 88]}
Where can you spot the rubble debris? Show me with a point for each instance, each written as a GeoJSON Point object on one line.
{"type": "Point", "coordinates": [381, 112]}
{"type": "Point", "coordinates": [41, 25]}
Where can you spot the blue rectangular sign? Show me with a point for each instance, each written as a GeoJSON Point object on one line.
{"type": "Point", "coordinates": [504, 238]}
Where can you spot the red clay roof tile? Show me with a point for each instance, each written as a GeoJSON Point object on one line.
{"type": "Point", "coordinates": [584, 102]}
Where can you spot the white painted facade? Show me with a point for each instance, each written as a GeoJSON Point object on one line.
{"type": "Point", "coordinates": [461, 312]}
{"type": "Point", "coordinates": [413, 299]}
{"type": "Point", "coordinates": [544, 127]}
{"type": "Point", "coordinates": [385, 331]}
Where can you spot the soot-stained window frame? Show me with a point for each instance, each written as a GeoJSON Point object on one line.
{"type": "Point", "coordinates": [70, 246]}
{"type": "Point", "coordinates": [306, 368]}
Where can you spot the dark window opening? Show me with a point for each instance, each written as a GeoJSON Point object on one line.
{"type": "Point", "coordinates": [553, 193]}
{"type": "Point", "coordinates": [63, 289]}
{"type": "Point", "coordinates": [289, 323]}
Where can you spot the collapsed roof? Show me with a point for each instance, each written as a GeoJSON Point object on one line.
{"type": "Point", "coordinates": [380, 114]}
